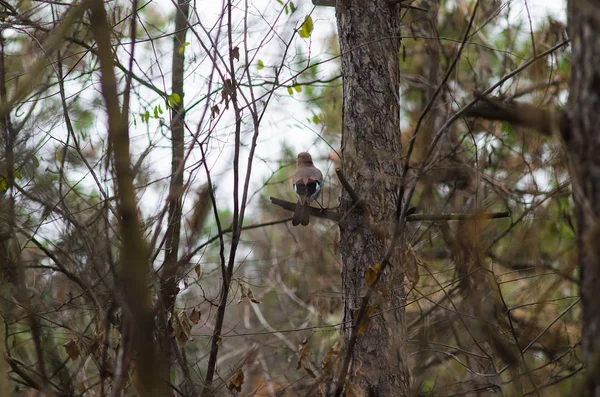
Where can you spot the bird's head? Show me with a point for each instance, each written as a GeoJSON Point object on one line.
{"type": "Point", "coordinates": [304, 158]}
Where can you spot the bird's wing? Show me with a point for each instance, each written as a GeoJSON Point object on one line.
{"type": "Point", "coordinates": [307, 174]}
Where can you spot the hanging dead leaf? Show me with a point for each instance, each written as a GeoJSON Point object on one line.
{"type": "Point", "coordinates": [252, 298]}
{"type": "Point", "coordinates": [410, 266]}
{"type": "Point", "coordinates": [237, 380]}
{"type": "Point", "coordinates": [330, 362]}
{"type": "Point", "coordinates": [364, 323]}
{"type": "Point", "coordinates": [243, 294]}
{"type": "Point", "coordinates": [198, 270]}
{"type": "Point", "coordinates": [214, 111]}
{"type": "Point", "coordinates": [235, 53]}
{"type": "Point", "coordinates": [195, 316]}
{"type": "Point", "coordinates": [304, 352]}
{"type": "Point", "coordinates": [202, 207]}
{"type": "Point", "coordinates": [246, 292]}
{"type": "Point", "coordinates": [182, 328]}
{"type": "Point", "coordinates": [72, 349]}
{"type": "Point", "coordinates": [372, 272]}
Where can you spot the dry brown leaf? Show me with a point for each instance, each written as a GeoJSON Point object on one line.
{"type": "Point", "coordinates": [252, 298]}
{"type": "Point", "coordinates": [235, 53]}
{"type": "Point", "coordinates": [410, 266]}
{"type": "Point", "coordinates": [243, 293]}
{"type": "Point", "coordinates": [182, 328]}
{"type": "Point", "coordinates": [372, 272]}
{"type": "Point", "coordinates": [304, 360]}
{"type": "Point", "coordinates": [214, 111]}
{"type": "Point", "coordinates": [370, 276]}
{"type": "Point", "coordinates": [198, 270]}
{"type": "Point", "coordinates": [195, 316]}
{"type": "Point", "coordinates": [237, 380]}
{"type": "Point", "coordinates": [364, 324]}
{"type": "Point", "coordinates": [247, 293]}
{"type": "Point", "coordinates": [202, 208]}
{"type": "Point", "coordinates": [72, 349]}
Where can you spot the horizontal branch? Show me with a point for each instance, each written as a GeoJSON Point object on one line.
{"type": "Point", "coordinates": [318, 212]}
{"type": "Point", "coordinates": [457, 216]}
{"type": "Point", "coordinates": [518, 113]}
{"type": "Point", "coordinates": [444, 216]}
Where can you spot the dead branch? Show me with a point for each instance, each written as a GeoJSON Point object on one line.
{"type": "Point", "coordinates": [457, 216]}
{"type": "Point", "coordinates": [318, 212]}
{"type": "Point", "coordinates": [514, 112]}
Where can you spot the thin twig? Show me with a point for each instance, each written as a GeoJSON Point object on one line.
{"type": "Point", "coordinates": [449, 216]}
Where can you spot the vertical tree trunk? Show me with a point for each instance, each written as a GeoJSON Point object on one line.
{"type": "Point", "coordinates": [582, 137]}
{"type": "Point", "coordinates": [169, 276]}
{"type": "Point", "coordinates": [371, 149]}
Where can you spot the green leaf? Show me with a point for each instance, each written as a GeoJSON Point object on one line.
{"type": "Point", "coordinates": [306, 28]}
{"type": "Point", "coordinates": [260, 64]}
{"type": "Point", "coordinates": [286, 9]}
{"type": "Point", "coordinates": [182, 47]}
{"type": "Point", "coordinates": [174, 99]}
{"type": "Point", "coordinates": [36, 162]}
{"type": "Point", "coordinates": [292, 6]}
{"type": "Point", "coordinates": [290, 91]}
{"type": "Point", "coordinates": [297, 87]}
{"type": "Point", "coordinates": [315, 119]}
{"type": "Point", "coordinates": [17, 174]}
{"type": "Point", "coordinates": [155, 112]}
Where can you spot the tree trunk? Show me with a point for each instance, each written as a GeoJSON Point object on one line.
{"type": "Point", "coordinates": [371, 149]}
{"type": "Point", "coordinates": [169, 276]}
{"type": "Point", "coordinates": [582, 137]}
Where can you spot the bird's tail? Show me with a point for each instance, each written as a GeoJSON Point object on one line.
{"type": "Point", "coordinates": [302, 214]}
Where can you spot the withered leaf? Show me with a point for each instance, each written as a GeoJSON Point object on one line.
{"type": "Point", "coordinates": [202, 208]}
{"type": "Point", "coordinates": [182, 328]}
{"type": "Point", "coordinates": [411, 268]}
{"type": "Point", "coordinates": [195, 316]}
{"type": "Point", "coordinates": [246, 292]}
{"type": "Point", "coordinates": [243, 294]}
{"type": "Point", "coordinates": [252, 298]}
{"type": "Point", "coordinates": [364, 323]}
{"type": "Point", "coordinates": [237, 380]}
{"type": "Point", "coordinates": [198, 270]}
{"type": "Point", "coordinates": [330, 361]}
{"type": "Point", "coordinates": [214, 111]}
{"type": "Point", "coordinates": [72, 349]}
{"type": "Point", "coordinates": [372, 272]}
{"type": "Point", "coordinates": [235, 53]}
{"type": "Point", "coordinates": [305, 352]}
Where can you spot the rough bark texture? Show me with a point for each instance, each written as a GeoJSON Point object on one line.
{"type": "Point", "coordinates": [582, 137]}
{"type": "Point", "coordinates": [370, 41]}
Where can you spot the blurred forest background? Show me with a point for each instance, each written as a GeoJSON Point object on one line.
{"type": "Point", "coordinates": [140, 253]}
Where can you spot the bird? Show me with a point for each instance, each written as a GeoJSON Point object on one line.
{"type": "Point", "coordinates": [308, 182]}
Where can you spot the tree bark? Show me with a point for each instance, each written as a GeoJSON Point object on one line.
{"type": "Point", "coordinates": [169, 276]}
{"type": "Point", "coordinates": [582, 138]}
{"type": "Point", "coordinates": [370, 41]}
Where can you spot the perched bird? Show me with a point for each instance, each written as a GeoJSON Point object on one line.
{"type": "Point", "coordinates": [308, 181]}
